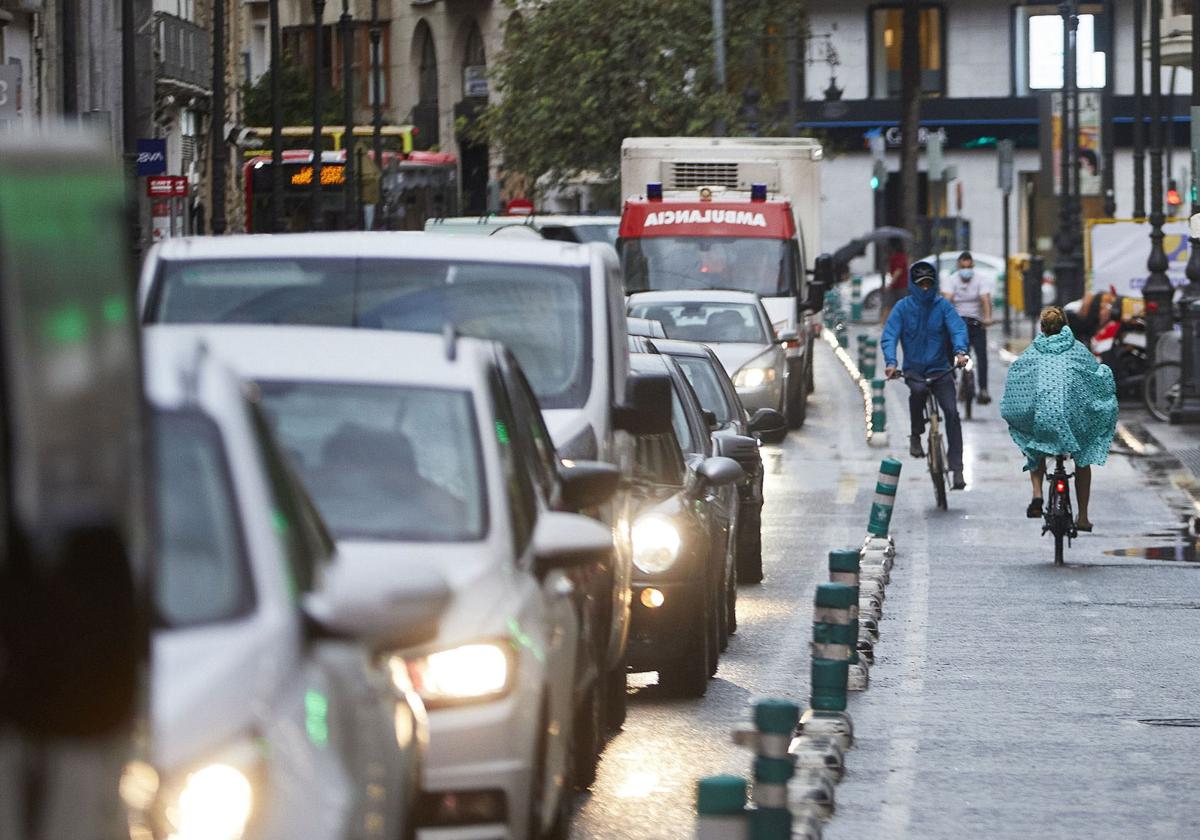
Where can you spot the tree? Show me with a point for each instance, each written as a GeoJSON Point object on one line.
{"type": "Point", "coordinates": [296, 90]}
{"type": "Point", "coordinates": [577, 76]}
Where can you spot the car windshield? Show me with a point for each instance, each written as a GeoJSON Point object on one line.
{"type": "Point", "coordinates": [486, 300]}
{"type": "Point", "coordinates": [745, 264]}
{"type": "Point", "coordinates": [383, 462]}
{"type": "Point", "coordinates": [708, 389]}
{"type": "Point", "coordinates": [712, 323]}
{"type": "Point", "coordinates": [202, 574]}
{"type": "Point", "coordinates": [606, 233]}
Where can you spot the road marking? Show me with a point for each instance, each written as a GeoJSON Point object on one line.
{"type": "Point", "coordinates": [902, 752]}
{"type": "Point", "coordinates": [847, 490]}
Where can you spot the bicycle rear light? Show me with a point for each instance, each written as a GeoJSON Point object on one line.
{"type": "Point", "coordinates": [1060, 486]}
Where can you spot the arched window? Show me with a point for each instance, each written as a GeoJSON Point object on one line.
{"type": "Point", "coordinates": [425, 114]}
{"type": "Point", "coordinates": [474, 65]}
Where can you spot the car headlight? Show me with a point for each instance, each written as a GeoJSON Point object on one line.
{"type": "Point", "coordinates": [753, 377]}
{"type": "Point", "coordinates": [469, 673]}
{"type": "Point", "coordinates": [655, 544]}
{"type": "Point", "coordinates": [214, 803]}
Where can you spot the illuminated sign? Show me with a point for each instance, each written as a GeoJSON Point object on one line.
{"type": "Point", "coordinates": [332, 174]}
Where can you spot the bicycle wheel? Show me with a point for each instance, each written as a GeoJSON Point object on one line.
{"type": "Point", "coordinates": [937, 470]}
{"type": "Point", "coordinates": [1161, 389]}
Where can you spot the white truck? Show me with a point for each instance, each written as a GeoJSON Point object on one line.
{"type": "Point", "coordinates": [739, 213]}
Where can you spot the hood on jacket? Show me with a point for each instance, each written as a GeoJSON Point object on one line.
{"type": "Point", "coordinates": [925, 297]}
{"type": "Point", "coordinates": [1053, 344]}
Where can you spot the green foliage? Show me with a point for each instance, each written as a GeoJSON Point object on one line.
{"type": "Point", "coordinates": [577, 76]}
{"type": "Point", "coordinates": [296, 91]}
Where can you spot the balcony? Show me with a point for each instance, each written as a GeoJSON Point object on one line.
{"type": "Point", "coordinates": [1176, 27]}
{"type": "Point", "coordinates": [183, 54]}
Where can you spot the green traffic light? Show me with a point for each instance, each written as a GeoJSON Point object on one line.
{"type": "Point", "coordinates": [874, 183]}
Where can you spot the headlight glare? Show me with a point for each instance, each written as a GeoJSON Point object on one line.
{"type": "Point", "coordinates": [753, 377]}
{"type": "Point", "coordinates": [214, 804]}
{"type": "Point", "coordinates": [655, 545]}
{"type": "Point", "coordinates": [465, 673]}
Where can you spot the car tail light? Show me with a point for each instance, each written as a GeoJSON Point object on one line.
{"type": "Point", "coordinates": [793, 344]}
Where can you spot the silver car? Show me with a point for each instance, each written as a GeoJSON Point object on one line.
{"type": "Point", "coordinates": [737, 328]}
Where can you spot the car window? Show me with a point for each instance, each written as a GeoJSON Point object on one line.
{"type": "Point", "coordinates": [707, 322]}
{"type": "Point", "coordinates": [383, 462]}
{"type": "Point", "coordinates": [658, 459]}
{"type": "Point", "coordinates": [708, 389]}
{"type": "Point", "coordinates": [202, 574]}
{"type": "Point", "coordinates": [530, 432]}
{"type": "Point", "coordinates": [487, 300]}
{"type": "Point", "coordinates": [522, 498]}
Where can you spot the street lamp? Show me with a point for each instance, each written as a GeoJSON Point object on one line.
{"type": "Point", "coordinates": [317, 135]}
{"type": "Point", "coordinates": [1157, 292]}
{"type": "Point", "coordinates": [346, 27]}
{"type": "Point", "coordinates": [276, 121]}
{"type": "Point", "coordinates": [377, 91]}
{"type": "Point", "coordinates": [1068, 268]}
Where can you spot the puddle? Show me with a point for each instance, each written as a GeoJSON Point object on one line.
{"type": "Point", "coordinates": [1179, 553]}
{"type": "Point", "coordinates": [1188, 722]}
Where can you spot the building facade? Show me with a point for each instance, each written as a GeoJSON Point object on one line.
{"type": "Point", "coordinates": [987, 69]}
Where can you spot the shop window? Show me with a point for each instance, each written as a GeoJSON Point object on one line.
{"type": "Point", "coordinates": [887, 39]}
{"type": "Point", "coordinates": [1040, 51]}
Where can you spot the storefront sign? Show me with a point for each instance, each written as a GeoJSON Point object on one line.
{"type": "Point", "coordinates": [167, 186]}
{"type": "Point", "coordinates": [1117, 253]}
{"type": "Point", "coordinates": [151, 157]}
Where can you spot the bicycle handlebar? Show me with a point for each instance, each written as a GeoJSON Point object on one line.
{"type": "Point", "coordinates": [926, 380]}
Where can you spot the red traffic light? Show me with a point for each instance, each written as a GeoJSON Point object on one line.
{"type": "Point", "coordinates": [1173, 198]}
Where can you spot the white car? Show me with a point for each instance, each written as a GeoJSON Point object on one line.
{"type": "Point", "coordinates": [737, 328]}
{"type": "Point", "coordinates": [419, 456]}
{"type": "Point", "coordinates": [271, 716]}
{"type": "Point", "coordinates": [564, 228]}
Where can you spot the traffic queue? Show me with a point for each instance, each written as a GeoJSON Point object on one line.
{"type": "Point", "coordinates": [417, 504]}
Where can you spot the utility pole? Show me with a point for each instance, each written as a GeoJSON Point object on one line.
{"type": "Point", "coordinates": [1157, 292]}
{"type": "Point", "coordinates": [129, 122]}
{"type": "Point", "coordinates": [1188, 410]}
{"type": "Point", "coordinates": [718, 19]}
{"type": "Point", "coordinates": [1066, 268]}
{"type": "Point", "coordinates": [217, 119]}
{"type": "Point", "coordinates": [377, 95]}
{"type": "Point", "coordinates": [276, 223]}
{"type": "Point", "coordinates": [1139, 116]}
{"type": "Point", "coordinates": [910, 116]}
{"type": "Point", "coordinates": [1106, 138]}
{"type": "Point", "coordinates": [318, 138]}
{"type": "Point", "coordinates": [350, 206]}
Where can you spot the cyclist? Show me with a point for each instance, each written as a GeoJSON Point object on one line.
{"type": "Point", "coordinates": [972, 300]}
{"type": "Point", "coordinates": [926, 324]}
{"type": "Point", "coordinates": [1058, 399]}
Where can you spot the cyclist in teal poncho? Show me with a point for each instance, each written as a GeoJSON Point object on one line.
{"type": "Point", "coordinates": [1059, 399]}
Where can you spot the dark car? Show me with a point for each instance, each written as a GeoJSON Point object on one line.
{"type": "Point", "coordinates": [733, 435]}
{"type": "Point", "coordinates": [684, 579]}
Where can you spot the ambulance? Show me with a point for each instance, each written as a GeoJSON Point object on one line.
{"type": "Point", "coordinates": [731, 213]}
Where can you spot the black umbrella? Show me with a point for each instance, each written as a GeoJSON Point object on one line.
{"type": "Point", "coordinates": [858, 247]}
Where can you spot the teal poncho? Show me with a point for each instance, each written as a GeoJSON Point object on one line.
{"type": "Point", "coordinates": [1059, 399]}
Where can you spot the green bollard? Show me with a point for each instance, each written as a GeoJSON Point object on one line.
{"type": "Point", "coordinates": [885, 498]}
{"type": "Point", "coordinates": [721, 809]}
{"type": "Point", "coordinates": [856, 305]}
{"type": "Point", "coordinates": [878, 407]}
{"type": "Point", "coordinates": [834, 637]}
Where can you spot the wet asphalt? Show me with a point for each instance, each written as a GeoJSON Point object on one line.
{"type": "Point", "coordinates": [1009, 698]}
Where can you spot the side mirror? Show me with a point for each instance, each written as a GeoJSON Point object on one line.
{"type": "Point", "coordinates": [740, 448]}
{"type": "Point", "coordinates": [710, 417]}
{"type": "Point", "coordinates": [822, 281]}
{"type": "Point", "coordinates": [568, 540]}
{"type": "Point", "coordinates": [769, 425]}
{"type": "Point", "coordinates": [718, 471]}
{"type": "Point", "coordinates": [587, 484]}
{"type": "Point", "coordinates": [647, 407]}
{"type": "Point", "coordinates": [788, 336]}
{"type": "Point", "coordinates": [359, 601]}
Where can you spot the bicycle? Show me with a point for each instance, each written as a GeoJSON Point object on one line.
{"type": "Point", "coordinates": [935, 449]}
{"type": "Point", "coordinates": [1060, 522]}
{"type": "Point", "coordinates": [1162, 390]}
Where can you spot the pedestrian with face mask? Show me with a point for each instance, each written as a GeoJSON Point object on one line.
{"type": "Point", "coordinates": [972, 301]}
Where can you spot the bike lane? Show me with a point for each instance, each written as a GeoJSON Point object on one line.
{"type": "Point", "coordinates": [1011, 698]}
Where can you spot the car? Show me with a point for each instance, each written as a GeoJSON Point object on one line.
{"type": "Point", "coordinates": [734, 436]}
{"type": "Point", "coordinates": [422, 453]}
{"type": "Point", "coordinates": [645, 327]}
{"type": "Point", "coordinates": [564, 228]}
{"type": "Point", "coordinates": [488, 287]}
{"type": "Point", "coordinates": [683, 568]}
{"type": "Point", "coordinates": [271, 714]}
{"type": "Point", "coordinates": [736, 326]}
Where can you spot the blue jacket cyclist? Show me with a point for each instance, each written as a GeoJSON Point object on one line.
{"type": "Point", "coordinates": [928, 329]}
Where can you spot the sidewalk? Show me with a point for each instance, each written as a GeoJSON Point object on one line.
{"type": "Point", "coordinates": [1014, 699]}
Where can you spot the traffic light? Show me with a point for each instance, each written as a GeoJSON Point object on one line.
{"type": "Point", "coordinates": [879, 174]}
{"type": "Point", "coordinates": [1173, 198]}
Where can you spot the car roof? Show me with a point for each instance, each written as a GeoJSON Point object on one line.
{"type": "Point", "coordinates": [338, 354]}
{"type": "Point", "coordinates": [536, 220]}
{"type": "Point", "coordinates": [374, 244]}
{"type": "Point", "coordinates": [677, 347]}
{"type": "Point", "coordinates": [695, 296]}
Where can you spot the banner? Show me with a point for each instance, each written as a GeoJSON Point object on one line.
{"type": "Point", "coordinates": [1118, 250]}
{"type": "Point", "coordinates": [1087, 142]}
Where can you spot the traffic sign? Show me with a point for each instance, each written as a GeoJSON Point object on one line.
{"type": "Point", "coordinates": [1004, 153]}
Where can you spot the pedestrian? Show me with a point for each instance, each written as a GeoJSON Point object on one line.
{"type": "Point", "coordinates": [926, 324]}
{"type": "Point", "coordinates": [895, 283]}
{"type": "Point", "coordinates": [972, 299]}
{"type": "Point", "coordinates": [1059, 400]}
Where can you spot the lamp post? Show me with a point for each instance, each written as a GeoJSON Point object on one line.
{"type": "Point", "coordinates": [346, 28]}
{"type": "Point", "coordinates": [318, 143]}
{"type": "Point", "coordinates": [1157, 292]}
{"type": "Point", "coordinates": [1067, 268]}
{"type": "Point", "coordinates": [718, 21]}
{"type": "Point", "coordinates": [1188, 410]}
{"type": "Point", "coordinates": [276, 121]}
{"type": "Point", "coordinates": [217, 134]}
{"type": "Point", "coordinates": [1139, 117]}
{"type": "Point", "coordinates": [377, 94]}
